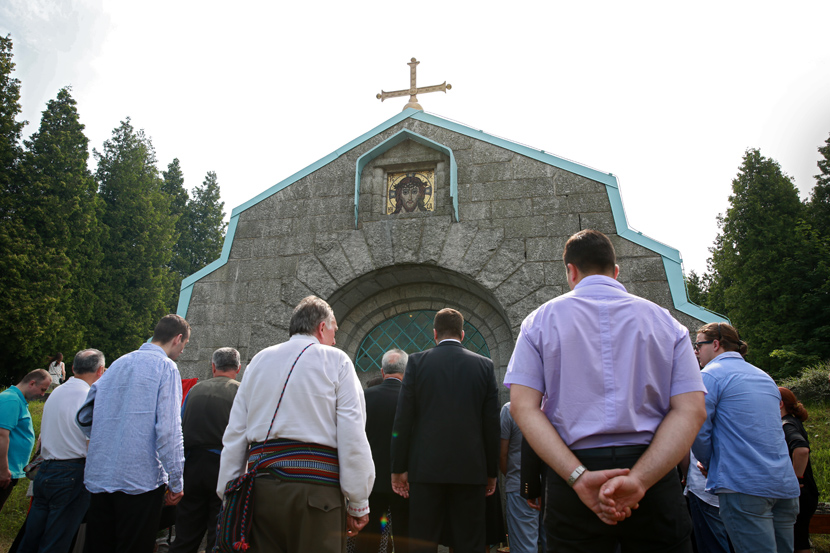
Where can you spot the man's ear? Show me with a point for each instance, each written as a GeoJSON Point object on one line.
{"type": "Point", "coordinates": [616, 271]}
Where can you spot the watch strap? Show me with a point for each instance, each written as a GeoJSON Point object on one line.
{"type": "Point", "coordinates": [575, 475]}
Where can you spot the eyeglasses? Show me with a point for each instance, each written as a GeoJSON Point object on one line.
{"type": "Point", "coordinates": [698, 344]}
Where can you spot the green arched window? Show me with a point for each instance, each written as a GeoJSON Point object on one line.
{"type": "Point", "coordinates": [411, 332]}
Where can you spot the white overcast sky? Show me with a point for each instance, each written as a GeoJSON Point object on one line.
{"type": "Point", "coordinates": [667, 96]}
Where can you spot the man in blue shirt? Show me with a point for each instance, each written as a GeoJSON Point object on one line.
{"type": "Point", "coordinates": [742, 446]}
{"type": "Point", "coordinates": [132, 419]}
{"type": "Point", "coordinates": [17, 436]}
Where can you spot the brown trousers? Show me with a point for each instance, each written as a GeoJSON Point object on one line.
{"type": "Point", "coordinates": [292, 517]}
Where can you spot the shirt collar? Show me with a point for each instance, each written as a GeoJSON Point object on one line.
{"type": "Point", "coordinates": [150, 347]}
{"type": "Point", "coordinates": [449, 340]}
{"type": "Point", "coordinates": [15, 389]}
{"type": "Point", "coordinates": [304, 337]}
{"type": "Point", "coordinates": [592, 280]}
{"type": "Point", "coordinates": [728, 355]}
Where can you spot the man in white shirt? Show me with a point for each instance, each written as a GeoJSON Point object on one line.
{"type": "Point", "coordinates": [315, 470]}
{"type": "Point", "coordinates": [60, 498]}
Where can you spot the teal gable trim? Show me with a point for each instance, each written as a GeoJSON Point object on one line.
{"type": "Point", "coordinates": [323, 161]}
{"type": "Point", "coordinates": [391, 142]}
{"type": "Point", "coordinates": [671, 257]}
{"type": "Point", "coordinates": [187, 284]}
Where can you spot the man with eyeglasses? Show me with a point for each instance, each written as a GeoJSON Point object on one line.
{"type": "Point", "coordinates": [741, 446]}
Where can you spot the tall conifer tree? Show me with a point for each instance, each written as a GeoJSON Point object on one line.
{"type": "Point", "coordinates": [139, 236]}
{"type": "Point", "coordinates": [762, 265]}
{"type": "Point", "coordinates": [819, 205]}
{"type": "Point", "coordinates": [206, 213]}
{"type": "Point", "coordinates": [179, 266]}
{"type": "Point", "coordinates": [20, 261]}
{"type": "Point", "coordinates": [62, 208]}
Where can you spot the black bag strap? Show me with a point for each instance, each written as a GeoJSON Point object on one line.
{"type": "Point", "coordinates": [283, 391]}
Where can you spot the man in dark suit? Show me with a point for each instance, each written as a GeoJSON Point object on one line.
{"type": "Point", "coordinates": [381, 403]}
{"type": "Point", "coordinates": [445, 440]}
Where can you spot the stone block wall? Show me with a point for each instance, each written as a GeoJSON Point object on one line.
{"type": "Point", "coordinates": [497, 263]}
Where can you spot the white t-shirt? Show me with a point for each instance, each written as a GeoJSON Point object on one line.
{"type": "Point", "coordinates": [56, 371]}
{"type": "Point", "coordinates": [60, 436]}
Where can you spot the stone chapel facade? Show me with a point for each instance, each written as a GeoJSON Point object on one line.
{"type": "Point", "coordinates": [368, 231]}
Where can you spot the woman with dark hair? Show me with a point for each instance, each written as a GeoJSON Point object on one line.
{"type": "Point", "coordinates": [793, 414]}
{"type": "Point", "coordinates": [57, 371]}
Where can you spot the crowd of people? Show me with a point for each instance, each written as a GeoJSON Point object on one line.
{"type": "Point", "coordinates": [613, 410]}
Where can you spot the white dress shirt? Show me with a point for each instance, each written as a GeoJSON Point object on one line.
{"type": "Point", "coordinates": [323, 404]}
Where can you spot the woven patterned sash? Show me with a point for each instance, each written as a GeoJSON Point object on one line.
{"type": "Point", "coordinates": [296, 461]}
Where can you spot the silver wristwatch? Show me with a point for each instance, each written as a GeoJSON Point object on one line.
{"type": "Point", "coordinates": [575, 475]}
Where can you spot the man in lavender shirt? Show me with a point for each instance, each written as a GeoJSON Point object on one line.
{"type": "Point", "coordinates": [624, 401]}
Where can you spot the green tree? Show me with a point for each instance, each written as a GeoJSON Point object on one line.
{"type": "Point", "coordinates": [761, 267]}
{"type": "Point", "coordinates": [138, 237]}
{"type": "Point", "coordinates": [61, 209]}
{"type": "Point", "coordinates": [10, 128]}
{"type": "Point", "coordinates": [819, 205]}
{"type": "Point", "coordinates": [202, 230]}
{"type": "Point", "coordinates": [205, 224]}
{"type": "Point", "coordinates": [697, 288]}
{"type": "Point", "coordinates": [24, 298]}
{"type": "Point", "coordinates": [179, 266]}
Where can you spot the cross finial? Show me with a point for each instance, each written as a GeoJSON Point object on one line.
{"type": "Point", "coordinates": [413, 89]}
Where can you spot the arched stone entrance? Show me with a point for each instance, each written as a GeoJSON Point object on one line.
{"type": "Point", "coordinates": [372, 298]}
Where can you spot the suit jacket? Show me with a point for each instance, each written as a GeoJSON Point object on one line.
{"type": "Point", "coordinates": [381, 404]}
{"type": "Point", "coordinates": [447, 422]}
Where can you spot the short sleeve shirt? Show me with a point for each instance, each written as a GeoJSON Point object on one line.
{"type": "Point", "coordinates": [15, 417]}
{"type": "Point", "coordinates": [608, 363]}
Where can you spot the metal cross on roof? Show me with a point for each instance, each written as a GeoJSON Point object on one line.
{"type": "Point", "coordinates": [413, 90]}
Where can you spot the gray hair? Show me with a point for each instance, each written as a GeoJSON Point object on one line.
{"type": "Point", "coordinates": [226, 359]}
{"type": "Point", "coordinates": [394, 361]}
{"type": "Point", "coordinates": [307, 316]}
{"type": "Point", "coordinates": [87, 361]}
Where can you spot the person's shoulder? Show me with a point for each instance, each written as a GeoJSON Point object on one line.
{"type": "Point", "coordinates": [477, 356]}
{"type": "Point", "coordinates": [11, 395]}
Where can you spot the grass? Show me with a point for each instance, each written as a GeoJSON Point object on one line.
{"type": "Point", "coordinates": [818, 429]}
{"type": "Point", "coordinates": [16, 507]}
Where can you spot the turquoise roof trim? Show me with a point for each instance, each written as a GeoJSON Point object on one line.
{"type": "Point", "coordinates": [391, 142]}
{"type": "Point", "coordinates": [671, 257]}
{"type": "Point", "coordinates": [187, 284]}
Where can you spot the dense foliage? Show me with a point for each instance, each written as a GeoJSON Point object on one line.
{"type": "Point", "coordinates": [770, 267]}
{"type": "Point", "coordinates": [89, 259]}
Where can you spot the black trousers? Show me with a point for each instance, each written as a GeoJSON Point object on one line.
{"type": "Point", "coordinates": [199, 508]}
{"type": "Point", "coordinates": [368, 540]}
{"type": "Point", "coordinates": [124, 523]}
{"type": "Point", "coordinates": [6, 492]}
{"type": "Point", "coordinates": [661, 524]}
{"type": "Point", "coordinates": [462, 505]}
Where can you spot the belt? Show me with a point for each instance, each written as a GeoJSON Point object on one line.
{"type": "Point", "coordinates": [617, 450]}
{"type": "Point", "coordinates": [296, 461]}
{"type": "Point", "coordinates": [75, 460]}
